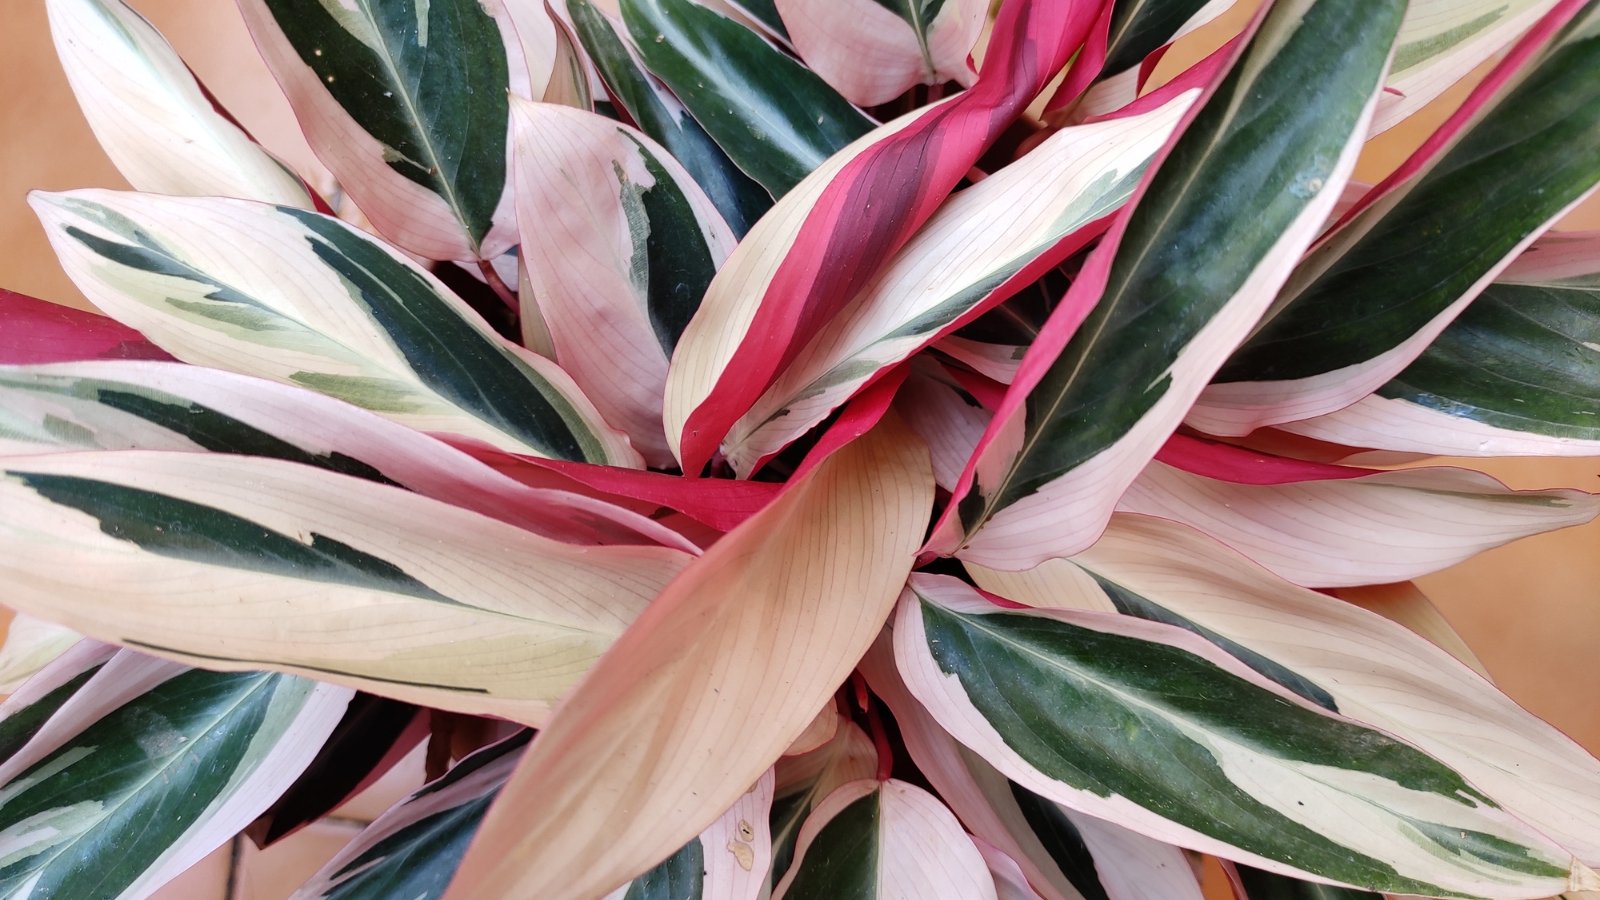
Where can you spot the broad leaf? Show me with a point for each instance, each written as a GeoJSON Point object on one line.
{"type": "Point", "coordinates": [729, 860]}
{"type": "Point", "coordinates": [165, 406]}
{"type": "Point", "coordinates": [661, 115]}
{"type": "Point", "coordinates": [1377, 292]}
{"type": "Point", "coordinates": [1351, 526]}
{"type": "Point", "coordinates": [776, 119]}
{"type": "Point", "coordinates": [306, 299]}
{"type": "Point", "coordinates": [872, 839]}
{"type": "Point", "coordinates": [405, 102]}
{"type": "Point", "coordinates": [413, 849]}
{"type": "Point", "coordinates": [722, 672]}
{"type": "Point", "coordinates": [872, 51]}
{"type": "Point", "coordinates": [359, 583]}
{"type": "Point", "coordinates": [152, 117]}
{"type": "Point", "coordinates": [1176, 284]}
{"type": "Point", "coordinates": [804, 781]}
{"type": "Point", "coordinates": [139, 788]}
{"type": "Point", "coordinates": [1336, 655]}
{"type": "Point", "coordinates": [621, 245]}
{"type": "Point", "coordinates": [1166, 737]}
{"type": "Point", "coordinates": [985, 243]}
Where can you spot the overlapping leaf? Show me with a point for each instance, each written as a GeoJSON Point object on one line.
{"type": "Point", "coordinates": [31, 643]}
{"type": "Point", "coordinates": [1172, 737]}
{"type": "Point", "coordinates": [730, 860]}
{"type": "Point", "coordinates": [306, 299]}
{"type": "Point", "coordinates": [150, 114]}
{"type": "Point", "coordinates": [30, 705]}
{"type": "Point", "coordinates": [1375, 293]}
{"type": "Point", "coordinates": [1137, 34]}
{"type": "Point", "coordinates": [406, 104]}
{"type": "Point", "coordinates": [359, 583]}
{"type": "Point", "coordinates": [872, 52]}
{"type": "Point", "coordinates": [621, 247]}
{"type": "Point", "coordinates": [743, 649]}
{"type": "Point", "coordinates": [156, 765]}
{"type": "Point", "coordinates": [33, 331]}
{"type": "Point", "coordinates": [1179, 280]}
{"type": "Point", "coordinates": [1336, 655]}
{"type": "Point", "coordinates": [804, 781]}
{"type": "Point", "coordinates": [985, 243]}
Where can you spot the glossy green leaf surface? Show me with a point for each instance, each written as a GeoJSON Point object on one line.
{"type": "Point", "coordinates": [772, 116]}
{"type": "Point", "coordinates": [845, 860]}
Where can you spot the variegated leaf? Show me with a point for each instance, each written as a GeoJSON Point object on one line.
{"type": "Point", "coordinates": [1177, 283]}
{"type": "Point", "coordinates": [413, 849]}
{"type": "Point", "coordinates": [150, 114]}
{"type": "Point", "coordinates": [660, 114]}
{"type": "Point", "coordinates": [1138, 33]}
{"type": "Point", "coordinates": [1343, 526]}
{"type": "Point", "coordinates": [947, 417]}
{"type": "Point", "coordinates": [29, 706]}
{"type": "Point", "coordinates": [31, 643]}
{"type": "Point", "coordinates": [881, 839]}
{"type": "Point", "coordinates": [776, 119]}
{"type": "Point", "coordinates": [145, 782]}
{"type": "Point", "coordinates": [116, 405]}
{"type": "Point", "coordinates": [620, 245]}
{"type": "Point", "coordinates": [305, 299]}
{"type": "Point", "coordinates": [1336, 655]}
{"type": "Point", "coordinates": [872, 51]}
{"type": "Point", "coordinates": [985, 243]}
{"type": "Point", "coordinates": [1518, 373]}
{"type": "Point", "coordinates": [1167, 735]}
{"type": "Point", "coordinates": [405, 102]}
{"type": "Point", "coordinates": [1377, 291]}
{"type": "Point", "coordinates": [359, 583]}
{"type": "Point", "coordinates": [803, 781]}
{"type": "Point", "coordinates": [730, 860]}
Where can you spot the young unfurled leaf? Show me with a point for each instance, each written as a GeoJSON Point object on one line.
{"type": "Point", "coordinates": [872, 839]}
{"type": "Point", "coordinates": [1170, 736]}
{"type": "Point", "coordinates": [1175, 285]}
{"type": "Point", "coordinates": [150, 114]}
{"type": "Point", "coordinates": [413, 849]}
{"type": "Point", "coordinates": [620, 246]}
{"type": "Point", "coordinates": [327, 575]}
{"type": "Point", "coordinates": [150, 776]}
{"type": "Point", "coordinates": [872, 52]}
{"type": "Point", "coordinates": [1334, 654]}
{"type": "Point", "coordinates": [305, 299]}
{"type": "Point", "coordinates": [405, 103]}
{"type": "Point", "coordinates": [1377, 291]}
{"type": "Point", "coordinates": [985, 243]}
{"type": "Point", "coordinates": [722, 672]}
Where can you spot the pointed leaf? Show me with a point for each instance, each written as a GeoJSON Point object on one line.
{"type": "Point", "coordinates": [1377, 292]}
{"type": "Point", "coordinates": [314, 302]}
{"type": "Point", "coordinates": [722, 672]}
{"type": "Point", "coordinates": [359, 583]}
{"type": "Point", "coordinates": [620, 247]}
{"type": "Point", "coordinates": [872, 51]}
{"type": "Point", "coordinates": [405, 103]}
{"type": "Point", "coordinates": [1185, 271]}
{"type": "Point", "coordinates": [148, 785]}
{"type": "Point", "coordinates": [1165, 737]}
{"type": "Point", "coordinates": [1334, 654]}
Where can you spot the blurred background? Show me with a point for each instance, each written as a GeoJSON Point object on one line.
{"type": "Point", "coordinates": [1531, 611]}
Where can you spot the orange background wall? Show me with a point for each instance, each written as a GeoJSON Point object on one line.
{"type": "Point", "coordinates": [1531, 610]}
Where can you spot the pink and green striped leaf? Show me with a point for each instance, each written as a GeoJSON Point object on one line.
{"type": "Point", "coordinates": [1183, 274]}
{"type": "Point", "coordinates": [165, 406]}
{"type": "Point", "coordinates": [803, 781]}
{"type": "Point", "coordinates": [1138, 33]}
{"type": "Point", "coordinates": [872, 51]}
{"type": "Point", "coordinates": [305, 299]}
{"type": "Point", "coordinates": [152, 117]}
{"type": "Point", "coordinates": [881, 839]}
{"type": "Point", "coordinates": [1332, 526]}
{"type": "Point", "coordinates": [620, 245]}
{"type": "Point", "coordinates": [1171, 736]}
{"type": "Point", "coordinates": [660, 114]}
{"type": "Point", "coordinates": [827, 238]}
{"type": "Point", "coordinates": [406, 104]}
{"type": "Point", "coordinates": [730, 860]}
{"type": "Point", "coordinates": [1378, 290]}
{"type": "Point", "coordinates": [413, 849]}
{"type": "Point", "coordinates": [988, 241]}
{"type": "Point", "coordinates": [1335, 655]}
{"type": "Point", "coordinates": [326, 575]}
{"type": "Point", "coordinates": [1517, 373]}
{"type": "Point", "coordinates": [149, 767]}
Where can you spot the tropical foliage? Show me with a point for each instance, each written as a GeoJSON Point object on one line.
{"type": "Point", "coordinates": [802, 449]}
